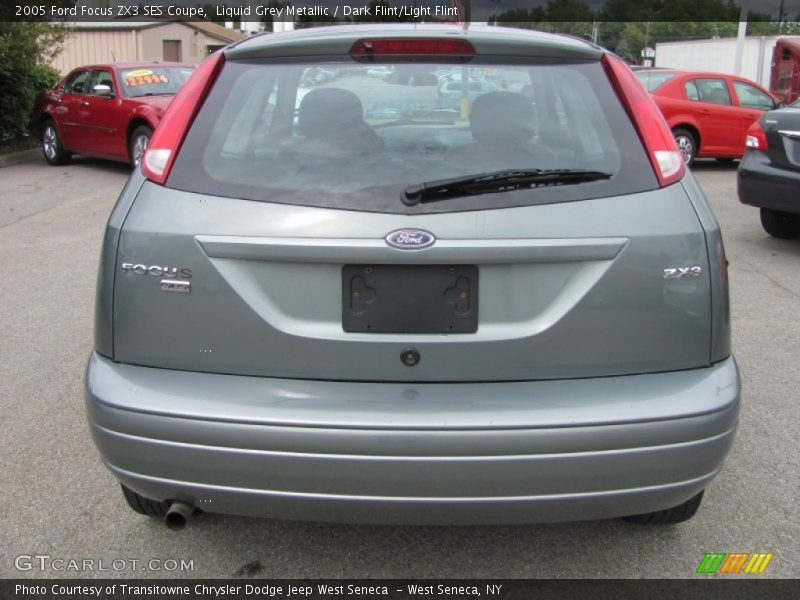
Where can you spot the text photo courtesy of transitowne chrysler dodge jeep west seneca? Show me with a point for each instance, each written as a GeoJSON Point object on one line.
{"type": "Point", "coordinates": [509, 310]}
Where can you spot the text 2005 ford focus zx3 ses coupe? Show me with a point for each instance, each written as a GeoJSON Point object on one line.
{"type": "Point", "coordinates": [515, 310]}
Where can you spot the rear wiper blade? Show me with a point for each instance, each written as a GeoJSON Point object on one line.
{"type": "Point", "coordinates": [497, 181]}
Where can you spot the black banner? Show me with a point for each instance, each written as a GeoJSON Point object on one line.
{"type": "Point", "coordinates": [399, 589]}
{"type": "Point", "coordinates": [371, 11]}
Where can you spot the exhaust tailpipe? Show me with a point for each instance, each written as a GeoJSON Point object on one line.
{"type": "Point", "coordinates": [178, 515]}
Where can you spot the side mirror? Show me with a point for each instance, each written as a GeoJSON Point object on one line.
{"type": "Point", "coordinates": [103, 90]}
{"type": "Point", "coordinates": [780, 105]}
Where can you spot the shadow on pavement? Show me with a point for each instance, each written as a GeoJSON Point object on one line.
{"type": "Point", "coordinates": [712, 164]}
{"type": "Point", "coordinates": [99, 164]}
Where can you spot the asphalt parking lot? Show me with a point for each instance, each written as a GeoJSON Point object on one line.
{"type": "Point", "coordinates": [57, 499]}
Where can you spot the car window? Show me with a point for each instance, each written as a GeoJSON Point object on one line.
{"type": "Point", "coordinates": [101, 77]}
{"type": "Point", "coordinates": [281, 133]}
{"type": "Point", "coordinates": [714, 91]}
{"type": "Point", "coordinates": [153, 80]}
{"type": "Point", "coordinates": [652, 80]}
{"type": "Point", "coordinates": [78, 83]}
{"type": "Point", "coordinates": [691, 90]}
{"type": "Point", "coordinates": [752, 97]}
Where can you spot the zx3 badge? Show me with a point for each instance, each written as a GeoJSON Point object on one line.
{"type": "Point", "coordinates": [682, 272]}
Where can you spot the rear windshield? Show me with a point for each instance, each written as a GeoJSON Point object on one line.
{"type": "Point", "coordinates": [341, 135]}
{"type": "Point", "coordinates": [652, 80]}
{"type": "Point", "coordinates": [153, 81]}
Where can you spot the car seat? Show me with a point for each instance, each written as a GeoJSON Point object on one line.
{"type": "Point", "coordinates": [717, 96]}
{"type": "Point", "coordinates": [502, 125]}
{"type": "Point", "coordinates": [331, 126]}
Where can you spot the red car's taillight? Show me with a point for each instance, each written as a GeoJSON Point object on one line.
{"type": "Point", "coordinates": [756, 137]}
{"type": "Point", "coordinates": [169, 135]}
{"type": "Point", "coordinates": [653, 130]}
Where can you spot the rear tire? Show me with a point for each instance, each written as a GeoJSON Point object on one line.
{"type": "Point", "coordinates": [144, 506]}
{"type": "Point", "coordinates": [676, 514]}
{"type": "Point", "coordinates": [687, 144]}
{"type": "Point", "coordinates": [52, 148]}
{"type": "Point", "coordinates": [779, 224]}
{"type": "Point", "coordinates": [139, 141]}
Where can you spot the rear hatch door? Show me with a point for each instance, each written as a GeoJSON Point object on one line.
{"type": "Point", "coordinates": [282, 209]}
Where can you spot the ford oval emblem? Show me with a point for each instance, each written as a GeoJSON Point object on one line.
{"type": "Point", "coordinates": [410, 239]}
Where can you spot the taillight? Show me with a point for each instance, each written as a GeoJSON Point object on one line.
{"type": "Point", "coordinates": [653, 130]}
{"type": "Point", "coordinates": [169, 135]}
{"type": "Point", "coordinates": [756, 137]}
{"type": "Point", "coordinates": [395, 48]}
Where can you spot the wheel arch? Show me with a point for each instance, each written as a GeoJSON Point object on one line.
{"type": "Point", "coordinates": [132, 125]}
{"type": "Point", "coordinates": [691, 128]}
{"type": "Point", "coordinates": [46, 116]}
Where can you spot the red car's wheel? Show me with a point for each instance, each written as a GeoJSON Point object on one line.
{"type": "Point", "coordinates": [52, 148]}
{"type": "Point", "coordinates": [686, 144]}
{"type": "Point", "coordinates": [139, 141]}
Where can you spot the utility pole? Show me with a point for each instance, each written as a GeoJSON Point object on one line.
{"type": "Point", "coordinates": [737, 61]}
{"type": "Point", "coordinates": [464, 103]}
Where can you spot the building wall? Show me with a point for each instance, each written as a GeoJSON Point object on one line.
{"type": "Point", "coordinates": [720, 55]}
{"type": "Point", "coordinates": [193, 42]}
{"type": "Point", "coordinates": [86, 47]}
{"type": "Point", "coordinates": [91, 47]}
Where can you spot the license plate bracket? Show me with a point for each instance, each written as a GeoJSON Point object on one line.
{"type": "Point", "coordinates": [410, 298]}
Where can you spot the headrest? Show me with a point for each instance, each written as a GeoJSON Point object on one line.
{"type": "Point", "coordinates": [502, 117]}
{"type": "Point", "coordinates": [718, 96]}
{"type": "Point", "coordinates": [329, 110]}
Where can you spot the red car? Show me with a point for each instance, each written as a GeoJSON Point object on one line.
{"type": "Point", "coordinates": [108, 111]}
{"type": "Point", "coordinates": [709, 113]}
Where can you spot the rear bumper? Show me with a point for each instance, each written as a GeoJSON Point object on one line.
{"type": "Point", "coordinates": [760, 184]}
{"type": "Point", "coordinates": [414, 453]}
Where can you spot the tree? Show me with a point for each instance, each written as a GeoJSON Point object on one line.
{"type": "Point", "coordinates": [25, 48]}
{"type": "Point", "coordinates": [212, 13]}
{"type": "Point", "coordinates": [267, 18]}
{"type": "Point", "coordinates": [383, 17]}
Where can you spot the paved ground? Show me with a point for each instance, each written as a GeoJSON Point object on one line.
{"type": "Point", "coordinates": [56, 499]}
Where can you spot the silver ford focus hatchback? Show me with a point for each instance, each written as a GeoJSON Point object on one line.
{"type": "Point", "coordinates": [335, 292]}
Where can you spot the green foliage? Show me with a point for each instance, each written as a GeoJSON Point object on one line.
{"type": "Point", "coordinates": [384, 18]}
{"type": "Point", "coordinates": [212, 13]}
{"type": "Point", "coordinates": [560, 11]}
{"type": "Point", "coordinates": [24, 48]}
{"type": "Point", "coordinates": [628, 26]}
{"type": "Point", "coordinates": [267, 18]}
{"type": "Point", "coordinates": [44, 77]}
